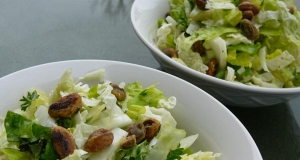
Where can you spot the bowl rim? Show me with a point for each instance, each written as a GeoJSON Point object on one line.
{"type": "Point", "coordinates": [194, 73]}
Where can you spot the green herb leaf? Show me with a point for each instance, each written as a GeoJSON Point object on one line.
{"type": "Point", "coordinates": [64, 122]}
{"type": "Point", "coordinates": [28, 99]}
{"type": "Point", "coordinates": [175, 154]}
{"type": "Point", "coordinates": [49, 152]}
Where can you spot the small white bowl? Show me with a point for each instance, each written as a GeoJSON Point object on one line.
{"type": "Point", "coordinates": [197, 112]}
{"type": "Point", "coordinates": [144, 16]}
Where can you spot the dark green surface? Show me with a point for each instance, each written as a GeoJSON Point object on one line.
{"type": "Point", "coordinates": [40, 31]}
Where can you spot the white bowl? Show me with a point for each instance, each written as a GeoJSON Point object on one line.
{"type": "Point", "coordinates": [197, 112]}
{"type": "Point", "coordinates": [144, 16]}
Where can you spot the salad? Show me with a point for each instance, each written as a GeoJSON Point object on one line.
{"type": "Point", "coordinates": [102, 120]}
{"type": "Point", "coordinates": [254, 42]}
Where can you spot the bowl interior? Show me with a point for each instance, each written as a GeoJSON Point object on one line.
{"type": "Point", "coordinates": [197, 112]}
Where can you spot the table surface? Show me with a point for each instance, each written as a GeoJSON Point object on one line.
{"type": "Point", "coordinates": [34, 32]}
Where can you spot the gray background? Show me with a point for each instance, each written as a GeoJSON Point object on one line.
{"type": "Point", "coordinates": [40, 31]}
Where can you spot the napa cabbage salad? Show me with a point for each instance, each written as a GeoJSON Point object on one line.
{"type": "Point", "coordinates": [254, 42]}
{"type": "Point", "coordinates": [102, 120]}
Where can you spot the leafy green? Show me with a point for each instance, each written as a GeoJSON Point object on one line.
{"type": "Point", "coordinates": [142, 97]}
{"type": "Point", "coordinates": [160, 22]}
{"type": "Point", "coordinates": [168, 139]}
{"type": "Point", "coordinates": [93, 92]}
{"type": "Point", "coordinates": [93, 113]}
{"type": "Point", "coordinates": [29, 134]}
{"type": "Point", "coordinates": [64, 122]}
{"type": "Point", "coordinates": [170, 40]}
{"type": "Point", "coordinates": [217, 16]}
{"type": "Point", "coordinates": [175, 3]}
{"type": "Point", "coordinates": [137, 152]}
{"type": "Point", "coordinates": [271, 5]}
{"type": "Point", "coordinates": [134, 111]}
{"type": "Point", "coordinates": [192, 4]}
{"type": "Point", "coordinates": [291, 26]}
{"type": "Point", "coordinates": [284, 74]}
{"type": "Point", "coordinates": [278, 60]}
{"type": "Point", "coordinates": [270, 32]}
{"type": "Point", "coordinates": [247, 71]}
{"type": "Point", "coordinates": [49, 152]}
{"type": "Point", "coordinates": [14, 154]}
{"type": "Point", "coordinates": [206, 34]}
{"type": "Point", "coordinates": [248, 48]}
{"type": "Point", "coordinates": [274, 54]}
{"type": "Point", "coordinates": [18, 127]}
{"type": "Point", "coordinates": [65, 84]}
{"type": "Point", "coordinates": [233, 17]}
{"type": "Point", "coordinates": [188, 151]}
{"type": "Point", "coordinates": [236, 2]}
{"type": "Point", "coordinates": [28, 99]}
{"type": "Point", "coordinates": [220, 74]}
{"type": "Point", "coordinates": [178, 14]}
{"type": "Point", "coordinates": [257, 2]}
{"type": "Point", "coordinates": [35, 148]}
{"type": "Point", "coordinates": [133, 88]}
{"type": "Point", "coordinates": [296, 81]}
{"type": "Point", "coordinates": [151, 95]}
{"type": "Point", "coordinates": [256, 62]}
{"type": "Point", "coordinates": [175, 154]}
{"type": "Point", "coordinates": [239, 59]}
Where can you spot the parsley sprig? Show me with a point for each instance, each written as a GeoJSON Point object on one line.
{"type": "Point", "coordinates": [175, 154]}
{"type": "Point", "coordinates": [28, 99]}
